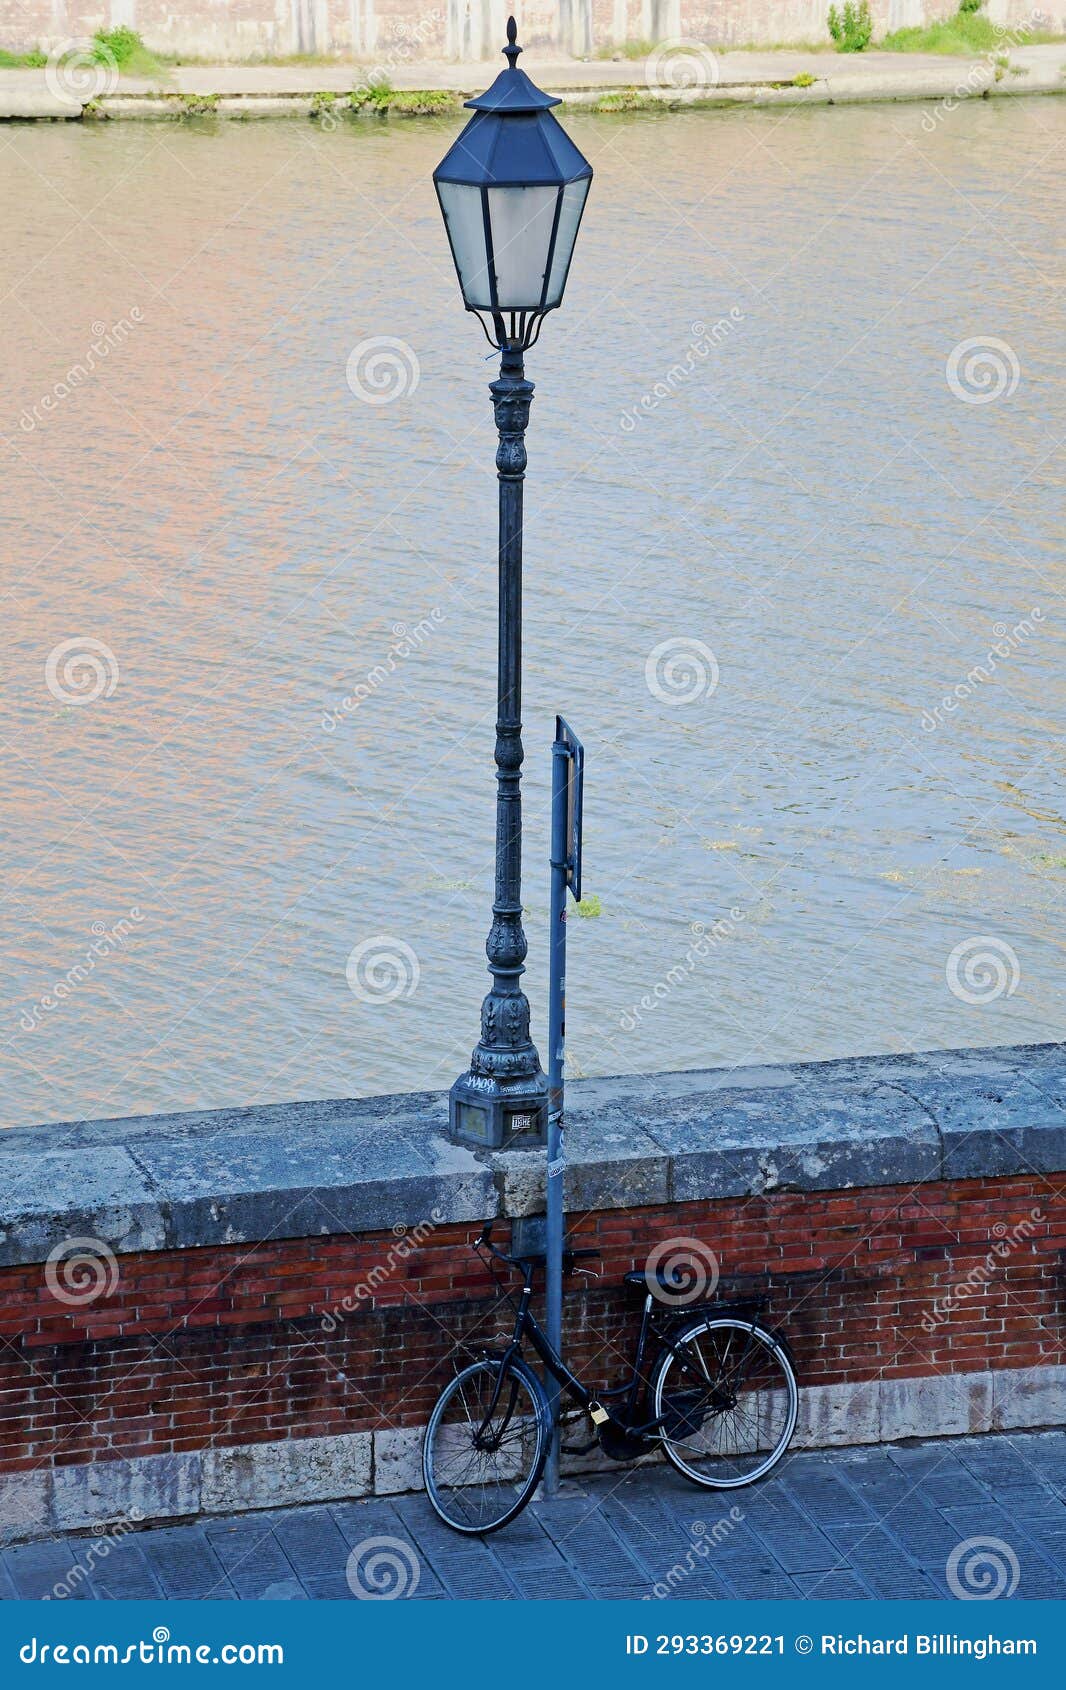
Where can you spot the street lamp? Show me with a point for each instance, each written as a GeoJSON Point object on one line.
{"type": "Point", "coordinates": [512, 190]}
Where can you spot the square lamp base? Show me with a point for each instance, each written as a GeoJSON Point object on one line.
{"type": "Point", "coordinates": [496, 1116]}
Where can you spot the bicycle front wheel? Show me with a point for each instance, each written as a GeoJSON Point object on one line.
{"type": "Point", "coordinates": [727, 1397]}
{"type": "Point", "coordinates": [486, 1445]}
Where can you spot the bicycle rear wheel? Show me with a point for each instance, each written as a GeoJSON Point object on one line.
{"type": "Point", "coordinates": [482, 1458]}
{"type": "Point", "coordinates": [728, 1399]}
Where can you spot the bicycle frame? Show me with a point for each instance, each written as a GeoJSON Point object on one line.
{"type": "Point", "coordinates": [527, 1326]}
{"type": "Point", "coordinates": [652, 1325]}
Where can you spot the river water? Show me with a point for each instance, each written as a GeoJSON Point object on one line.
{"type": "Point", "coordinates": [774, 517]}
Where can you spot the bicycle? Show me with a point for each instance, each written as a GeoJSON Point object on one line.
{"type": "Point", "coordinates": [720, 1399]}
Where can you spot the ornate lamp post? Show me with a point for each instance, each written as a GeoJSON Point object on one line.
{"type": "Point", "coordinates": [512, 190]}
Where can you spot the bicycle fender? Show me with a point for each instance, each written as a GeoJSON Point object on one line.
{"type": "Point", "coordinates": [732, 1311]}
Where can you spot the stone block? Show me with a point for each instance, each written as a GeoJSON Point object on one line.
{"type": "Point", "coordinates": [830, 1135]}
{"type": "Point", "coordinates": [293, 1470]}
{"type": "Point", "coordinates": [838, 1414]}
{"type": "Point", "coordinates": [1029, 1396]}
{"type": "Point", "coordinates": [938, 1406]}
{"type": "Point", "coordinates": [992, 1119]}
{"type": "Point", "coordinates": [149, 1487]}
{"type": "Point", "coordinates": [398, 1460]}
{"type": "Point", "coordinates": [26, 1506]}
{"type": "Point", "coordinates": [521, 1179]}
{"type": "Point", "coordinates": [613, 1164]}
{"type": "Point", "coordinates": [49, 1198]}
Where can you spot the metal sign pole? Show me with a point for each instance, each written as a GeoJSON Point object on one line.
{"type": "Point", "coordinates": [567, 771]}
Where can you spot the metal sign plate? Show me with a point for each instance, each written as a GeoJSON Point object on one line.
{"type": "Point", "coordinates": [565, 734]}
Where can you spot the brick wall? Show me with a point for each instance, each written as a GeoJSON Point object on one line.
{"type": "Point", "coordinates": [176, 1350]}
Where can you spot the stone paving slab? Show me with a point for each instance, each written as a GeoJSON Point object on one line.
{"type": "Point", "coordinates": [923, 1533]}
{"type": "Point", "coordinates": [182, 1559]}
{"type": "Point", "coordinates": [125, 1575]}
{"type": "Point", "coordinates": [832, 1587]}
{"type": "Point", "coordinates": [251, 1555]}
{"type": "Point", "coordinates": [863, 1523]}
{"type": "Point", "coordinates": [39, 1570]}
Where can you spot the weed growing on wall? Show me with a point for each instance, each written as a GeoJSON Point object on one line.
{"type": "Point", "coordinates": [852, 27]}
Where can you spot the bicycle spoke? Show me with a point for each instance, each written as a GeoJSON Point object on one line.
{"type": "Point", "coordinates": [695, 1346]}
{"type": "Point", "coordinates": [739, 1420]}
{"type": "Point", "coordinates": [478, 1464]}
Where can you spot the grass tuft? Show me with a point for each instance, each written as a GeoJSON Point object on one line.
{"type": "Point", "coordinates": [124, 48]}
{"type": "Point", "coordinates": [34, 60]}
{"type": "Point", "coordinates": [403, 102]}
{"type": "Point", "coordinates": [967, 33]}
{"type": "Point", "coordinates": [626, 50]}
{"type": "Point", "coordinates": [198, 105]}
{"type": "Point", "coordinates": [628, 99]}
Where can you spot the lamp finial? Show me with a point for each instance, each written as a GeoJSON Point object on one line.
{"type": "Point", "coordinates": [512, 49]}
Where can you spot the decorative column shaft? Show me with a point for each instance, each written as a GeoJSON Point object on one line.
{"type": "Point", "coordinates": [504, 1092]}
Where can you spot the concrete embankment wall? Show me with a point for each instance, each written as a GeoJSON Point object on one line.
{"type": "Point", "coordinates": [249, 1308]}
{"type": "Point", "coordinates": [459, 29]}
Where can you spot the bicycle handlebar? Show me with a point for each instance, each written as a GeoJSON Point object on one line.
{"type": "Point", "coordinates": [484, 1242]}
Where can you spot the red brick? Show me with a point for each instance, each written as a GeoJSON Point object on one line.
{"type": "Point", "coordinates": [230, 1343]}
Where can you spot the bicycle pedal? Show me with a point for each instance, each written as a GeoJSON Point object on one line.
{"type": "Point", "coordinates": [598, 1414]}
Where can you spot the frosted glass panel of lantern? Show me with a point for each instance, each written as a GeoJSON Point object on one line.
{"type": "Point", "coordinates": [574, 196]}
{"type": "Point", "coordinates": [464, 220]}
{"type": "Point", "coordinates": [521, 220]}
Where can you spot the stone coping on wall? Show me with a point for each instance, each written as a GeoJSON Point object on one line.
{"type": "Point", "coordinates": [231, 1176]}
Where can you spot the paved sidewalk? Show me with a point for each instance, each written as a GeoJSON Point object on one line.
{"type": "Point", "coordinates": [984, 1515]}
{"type": "Point", "coordinates": [754, 78]}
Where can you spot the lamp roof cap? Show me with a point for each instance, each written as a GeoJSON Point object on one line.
{"type": "Point", "coordinates": [512, 90]}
